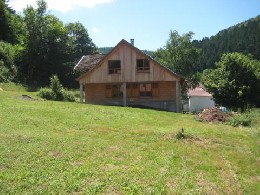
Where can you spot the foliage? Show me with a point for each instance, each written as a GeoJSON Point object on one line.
{"type": "Point", "coordinates": [248, 118]}
{"type": "Point", "coordinates": [236, 82]}
{"type": "Point", "coordinates": [243, 38]}
{"type": "Point", "coordinates": [105, 50]}
{"type": "Point", "coordinates": [242, 120]}
{"type": "Point", "coordinates": [7, 29]}
{"type": "Point", "coordinates": [56, 88]}
{"type": "Point", "coordinates": [180, 56]}
{"type": "Point", "coordinates": [50, 147]}
{"type": "Point", "coordinates": [79, 40]}
{"type": "Point", "coordinates": [46, 93]}
{"type": "Point", "coordinates": [50, 47]}
{"type": "Point", "coordinates": [8, 69]}
{"type": "Point", "coordinates": [69, 96]}
{"type": "Point", "coordinates": [180, 135]}
{"type": "Point", "coordinates": [56, 91]}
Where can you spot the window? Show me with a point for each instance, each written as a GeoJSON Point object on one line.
{"type": "Point", "coordinates": [145, 89]}
{"type": "Point", "coordinates": [117, 90]}
{"type": "Point", "coordinates": [142, 65]}
{"type": "Point", "coordinates": [114, 67]}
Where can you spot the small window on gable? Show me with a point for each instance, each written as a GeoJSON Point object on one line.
{"type": "Point", "coordinates": [114, 67]}
{"type": "Point", "coordinates": [142, 65]}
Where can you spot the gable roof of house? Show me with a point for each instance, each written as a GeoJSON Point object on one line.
{"type": "Point", "coordinates": [89, 62]}
{"type": "Point", "coordinates": [199, 91]}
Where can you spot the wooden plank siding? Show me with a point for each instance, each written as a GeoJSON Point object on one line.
{"type": "Point", "coordinates": [127, 56]}
{"type": "Point", "coordinates": [163, 97]}
{"type": "Point", "coordinates": [159, 81]}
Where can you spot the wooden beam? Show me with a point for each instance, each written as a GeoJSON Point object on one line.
{"type": "Point", "coordinates": [177, 96]}
{"type": "Point", "coordinates": [124, 93]}
{"type": "Point", "coordinates": [81, 93]}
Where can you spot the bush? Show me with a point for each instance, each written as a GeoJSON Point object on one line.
{"type": "Point", "coordinates": [180, 135]}
{"type": "Point", "coordinates": [56, 91]}
{"type": "Point", "coordinates": [68, 96]}
{"type": "Point", "coordinates": [242, 119]}
{"type": "Point", "coordinates": [46, 93]}
{"type": "Point", "coordinates": [56, 87]}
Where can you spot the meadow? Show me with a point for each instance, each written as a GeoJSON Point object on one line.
{"type": "Point", "coordinates": [51, 147]}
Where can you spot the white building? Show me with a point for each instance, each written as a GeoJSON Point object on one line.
{"type": "Point", "coordinates": [200, 99]}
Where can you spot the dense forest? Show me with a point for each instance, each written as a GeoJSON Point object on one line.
{"type": "Point", "coordinates": [243, 38]}
{"type": "Point", "coordinates": [36, 45]}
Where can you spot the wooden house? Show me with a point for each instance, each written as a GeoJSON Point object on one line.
{"type": "Point", "coordinates": [127, 76]}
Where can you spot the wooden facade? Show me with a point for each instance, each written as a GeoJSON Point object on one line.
{"type": "Point", "coordinates": [127, 76]}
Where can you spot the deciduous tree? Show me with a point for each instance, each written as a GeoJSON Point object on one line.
{"type": "Point", "coordinates": [235, 82]}
{"type": "Point", "coordinates": [180, 56]}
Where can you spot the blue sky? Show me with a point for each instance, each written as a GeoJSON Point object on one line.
{"type": "Point", "coordinates": [149, 21]}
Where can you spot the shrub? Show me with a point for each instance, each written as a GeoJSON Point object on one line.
{"type": "Point", "coordinates": [46, 93]}
{"type": "Point", "coordinates": [180, 135]}
{"type": "Point", "coordinates": [242, 119]}
{"type": "Point", "coordinates": [56, 91]}
{"type": "Point", "coordinates": [68, 96]}
{"type": "Point", "coordinates": [56, 87]}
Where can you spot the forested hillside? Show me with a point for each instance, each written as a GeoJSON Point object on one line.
{"type": "Point", "coordinates": [243, 38]}
{"type": "Point", "coordinates": [106, 50]}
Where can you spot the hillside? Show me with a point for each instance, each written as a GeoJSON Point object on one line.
{"type": "Point", "coordinates": [106, 50]}
{"type": "Point", "coordinates": [60, 148]}
{"type": "Point", "coordinates": [243, 37]}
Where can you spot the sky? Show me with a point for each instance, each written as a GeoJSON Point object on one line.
{"type": "Point", "coordinates": [148, 22]}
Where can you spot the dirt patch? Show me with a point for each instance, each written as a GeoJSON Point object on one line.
{"type": "Point", "coordinates": [3, 166]}
{"type": "Point", "coordinates": [26, 97]}
{"type": "Point", "coordinates": [77, 163]}
{"type": "Point", "coordinates": [213, 115]}
{"type": "Point", "coordinates": [229, 177]}
{"type": "Point", "coordinates": [54, 154]}
{"type": "Point", "coordinates": [112, 167]}
{"type": "Point", "coordinates": [204, 186]}
{"type": "Point", "coordinates": [24, 139]}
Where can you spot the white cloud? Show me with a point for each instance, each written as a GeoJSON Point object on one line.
{"type": "Point", "coordinates": [59, 5]}
{"type": "Point", "coordinates": [95, 30]}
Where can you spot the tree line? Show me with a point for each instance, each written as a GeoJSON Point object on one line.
{"type": "Point", "coordinates": [36, 45]}
{"type": "Point", "coordinates": [227, 63]}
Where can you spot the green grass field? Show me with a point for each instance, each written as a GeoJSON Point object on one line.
{"type": "Point", "coordinates": [49, 147]}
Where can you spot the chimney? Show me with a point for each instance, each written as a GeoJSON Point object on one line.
{"type": "Point", "coordinates": [132, 41]}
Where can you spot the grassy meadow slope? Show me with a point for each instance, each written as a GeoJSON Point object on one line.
{"type": "Point", "coordinates": [60, 147]}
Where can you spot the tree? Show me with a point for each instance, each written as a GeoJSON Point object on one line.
{"type": "Point", "coordinates": [6, 32]}
{"type": "Point", "coordinates": [180, 56]}
{"type": "Point", "coordinates": [235, 83]}
{"type": "Point", "coordinates": [46, 45]}
{"type": "Point", "coordinates": [79, 40]}
{"type": "Point", "coordinates": [8, 69]}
